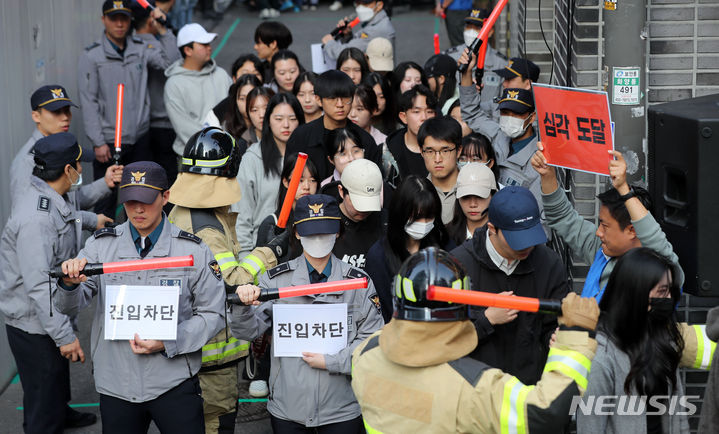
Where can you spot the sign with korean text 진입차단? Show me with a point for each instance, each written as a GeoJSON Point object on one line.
{"type": "Point", "coordinates": [149, 311]}
{"type": "Point", "coordinates": [312, 328]}
{"type": "Point", "coordinates": [574, 127]}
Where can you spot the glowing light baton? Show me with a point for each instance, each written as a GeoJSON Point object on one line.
{"type": "Point", "coordinates": [436, 43]}
{"type": "Point", "coordinates": [479, 71]}
{"type": "Point", "coordinates": [292, 190]}
{"type": "Point", "coordinates": [488, 299]}
{"type": "Point", "coordinates": [95, 268]}
{"type": "Point", "coordinates": [118, 122]}
{"type": "Point", "coordinates": [483, 35]}
{"type": "Point", "coordinates": [145, 4]}
{"type": "Point", "coordinates": [337, 30]}
{"type": "Point", "coordinates": [267, 294]}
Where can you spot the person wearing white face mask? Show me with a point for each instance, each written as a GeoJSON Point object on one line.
{"type": "Point", "coordinates": [493, 60]}
{"type": "Point", "coordinates": [313, 391]}
{"type": "Point", "coordinates": [374, 23]}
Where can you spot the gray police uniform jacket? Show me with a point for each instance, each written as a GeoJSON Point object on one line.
{"type": "Point", "coordinates": [156, 83]}
{"type": "Point", "coordinates": [84, 198]}
{"type": "Point", "coordinates": [42, 231]}
{"type": "Point", "coordinates": [299, 393]}
{"type": "Point", "coordinates": [100, 69]}
{"type": "Point", "coordinates": [117, 370]}
{"type": "Point", "coordinates": [379, 26]}
{"type": "Point", "coordinates": [492, 84]}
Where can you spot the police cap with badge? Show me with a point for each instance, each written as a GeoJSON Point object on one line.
{"type": "Point", "coordinates": [116, 7]}
{"type": "Point", "coordinates": [519, 101]}
{"type": "Point", "coordinates": [50, 97]}
{"type": "Point", "coordinates": [142, 181]}
{"type": "Point", "coordinates": [477, 17]}
{"type": "Point", "coordinates": [519, 67]}
{"type": "Point", "coordinates": [57, 150]}
{"type": "Point", "coordinates": [317, 214]}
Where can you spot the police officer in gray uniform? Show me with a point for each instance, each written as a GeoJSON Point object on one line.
{"type": "Point", "coordinates": [374, 23]}
{"type": "Point", "coordinates": [493, 60]}
{"type": "Point", "coordinates": [117, 58]}
{"type": "Point", "coordinates": [148, 379]}
{"type": "Point", "coordinates": [313, 391]}
{"type": "Point", "coordinates": [44, 228]}
{"type": "Point", "coordinates": [51, 113]}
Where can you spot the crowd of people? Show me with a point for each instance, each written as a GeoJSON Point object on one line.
{"type": "Point", "coordinates": [415, 175]}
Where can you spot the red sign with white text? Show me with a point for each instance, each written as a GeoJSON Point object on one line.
{"type": "Point", "coordinates": [575, 127]}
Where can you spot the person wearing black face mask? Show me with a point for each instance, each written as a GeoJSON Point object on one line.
{"type": "Point", "coordinates": [640, 348]}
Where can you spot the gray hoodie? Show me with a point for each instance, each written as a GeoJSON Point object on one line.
{"type": "Point", "coordinates": [189, 95]}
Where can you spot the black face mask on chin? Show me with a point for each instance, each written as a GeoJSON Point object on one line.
{"type": "Point", "coordinates": [661, 308]}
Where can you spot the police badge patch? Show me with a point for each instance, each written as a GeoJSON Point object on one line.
{"type": "Point", "coordinates": [374, 298]}
{"type": "Point", "coordinates": [215, 268]}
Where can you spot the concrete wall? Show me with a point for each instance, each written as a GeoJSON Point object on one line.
{"type": "Point", "coordinates": [40, 41]}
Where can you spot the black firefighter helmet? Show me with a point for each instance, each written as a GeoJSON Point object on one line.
{"type": "Point", "coordinates": [430, 266]}
{"type": "Point", "coordinates": [211, 151]}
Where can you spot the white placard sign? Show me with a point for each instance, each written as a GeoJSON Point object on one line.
{"type": "Point", "coordinates": [313, 328]}
{"type": "Point", "coordinates": [319, 60]}
{"type": "Point", "coordinates": [149, 311]}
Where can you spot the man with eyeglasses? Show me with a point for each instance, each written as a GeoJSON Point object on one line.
{"type": "Point", "coordinates": [334, 92]}
{"type": "Point", "coordinates": [440, 140]}
{"type": "Point", "coordinates": [415, 106]}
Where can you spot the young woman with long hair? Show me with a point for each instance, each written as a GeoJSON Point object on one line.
{"type": "Point", "coordinates": [236, 121]}
{"type": "Point", "coordinates": [304, 90]}
{"type": "Point", "coordinates": [640, 348]}
{"type": "Point", "coordinates": [285, 67]}
{"type": "Point", "coordinates": [257, 101]}
{"type": "Point", "coordinates": [475, 187]}
{"type": "Point", "coordinates": [384, 120]}
{"type": "Point", "coordinates": [260, 169]}
{"type": "Point", "coordinates": [353, 62]}
{"type": "Point", "coordinates": [414, 222]}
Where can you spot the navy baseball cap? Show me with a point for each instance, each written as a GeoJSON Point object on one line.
{"type": "Point", "coordinates": [514, 210]}
{"type": "Point", "coordinates": [114, 7]}
{"type": "Point", "coordinates": [440, 64]}
{"type": "Point", "coordinates": [51, 97]}
{"type": "Point", "coordinates": [477, 17]}
{"type": "Point", "coordinates": [519, 67]}
{"type": "Point", "coordinates": [317, 214]}
{"type": "Point", "coordinates": [516, 100]}
{"type": "Point", "coordinates": [142, 181]}
{"type": "Point", "coordinates": [57, 150]}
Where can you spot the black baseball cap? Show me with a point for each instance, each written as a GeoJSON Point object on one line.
{"type": "Point", "coordinates": [317, 214]}
{"type": "Point", "coordinates": [516, 100]}
{"type": "Point", "coordinates": [477, 17]}
{"type": "Point", "coordinates": [519, 67]}
{"type": "Point", "coordinates": [57, 150]}
{"type": "Point", "coordinates": [440, 64]}
{"type": "Point", "coordinates": [142, 181]}
{"type": "Point", "coordinates": [115, 7]}
{"type": "Point", "coordinates": [514, 210]}
{"type": "Point", "coordinates": [51, 97]}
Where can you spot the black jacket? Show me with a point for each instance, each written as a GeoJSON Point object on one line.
{"type": "Point", "coordinates": [309, 138]}
{"type": "Point", "coordinates": [354, 244]}
{"type": "Point", "coordinates": [519, 347]}
{"type": "Point", "coordinates": [408, 162]}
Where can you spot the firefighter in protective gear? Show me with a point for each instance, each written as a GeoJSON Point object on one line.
{"type": "Point", "coordinates": [441, 389]}
{"type": "Point", "coordinates": [202, 194]}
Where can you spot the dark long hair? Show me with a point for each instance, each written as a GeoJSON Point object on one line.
{"type": "Point", "coordinates": [654, 346]}
{"type": "Point", "coordinates": [284, 55]}
{"type": "Point", "coordinates": [249, 57]}
{"type": "Point", "coordinates": [386, 121]}
{"type": "Point", "coordinates": [234, 123]}
{"type": "Point", "coordinates": [309, 76]}
{"type": "Point", "coordinates": [477, 144]}
{"type": "Point", "coordinates": [268, 146]}
{"type": "Point", "coordinates": [448, 89]}
{"type": "Point", "coordinates": [253, 95]}
{"type": "Point", "coordinates": [399, 72]}
{"type": "Point", "coordinates": [286, 173]}
{"type": "Point", "coordinates": [414, 198]}
{"type": "Point", "coordinates": [358, 56]}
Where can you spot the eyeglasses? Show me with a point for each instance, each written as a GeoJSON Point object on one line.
{"type": "Point", "coordinates": [465, 159]}
{"type": "Point", "coordinates": [446, 152]}
{"type": "Point", "coordinates": [345, 101]}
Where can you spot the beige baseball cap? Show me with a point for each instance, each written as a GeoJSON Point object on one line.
{"type": "Point", "coordinates": [363, 181]}
{"type": "Point", "coordinates": [380, 54]}
{"type": "Point", "coordinates": [475, 179]}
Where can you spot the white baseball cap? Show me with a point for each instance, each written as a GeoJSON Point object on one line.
{"type": "Point", "coordinates": [363, 181]}
{"type": "Point", "coordinates": [380, 54]}
{"type": "Point", "coordinates": [194, 32]}
{"type": "Point", "coordinates": [475, 179]}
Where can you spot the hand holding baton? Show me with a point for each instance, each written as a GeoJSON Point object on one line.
{"type": "Point", "coordinates": [95, 268]}
{"type": "Point", "coordinates": [295, 178]}
{"type": "Point", "coordinates": [267, 294]}
{"type": "Point", "coordinates": [484, 32]}
{"type": "Point", "coordinates": [488, 299]}
{"type": "Point", "coordinates": [145, 4]}
{"type": "Point", "coordinates": [337, 31]}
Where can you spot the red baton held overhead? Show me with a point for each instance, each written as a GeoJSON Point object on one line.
{"type": "Point", "coordinates": [436, 43]}
{"type": "Point", "coordinates": [292, 190]}
{"type": "Point", "coordinates": [118, 117]}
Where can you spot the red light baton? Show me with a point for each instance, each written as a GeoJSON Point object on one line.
{"type": "Point", "coordinates": [92, 269]}
{"type": "Point", "coordinates": [292, 190]}
{"type": "Point", "coordinates": [145, 4]}
{"type": "Point", "coordinates": [436, 43]}
{"type": "Point", "coordinates": [267, 294]}
{"type": "Point", "coordinates": [488, 299]}
{"type": "Point", "coordinates": [118, 122]}
{"type": "Point", "coordinates": [487, 26]}
{"type": "Point", "coordinates": [338, 30]}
